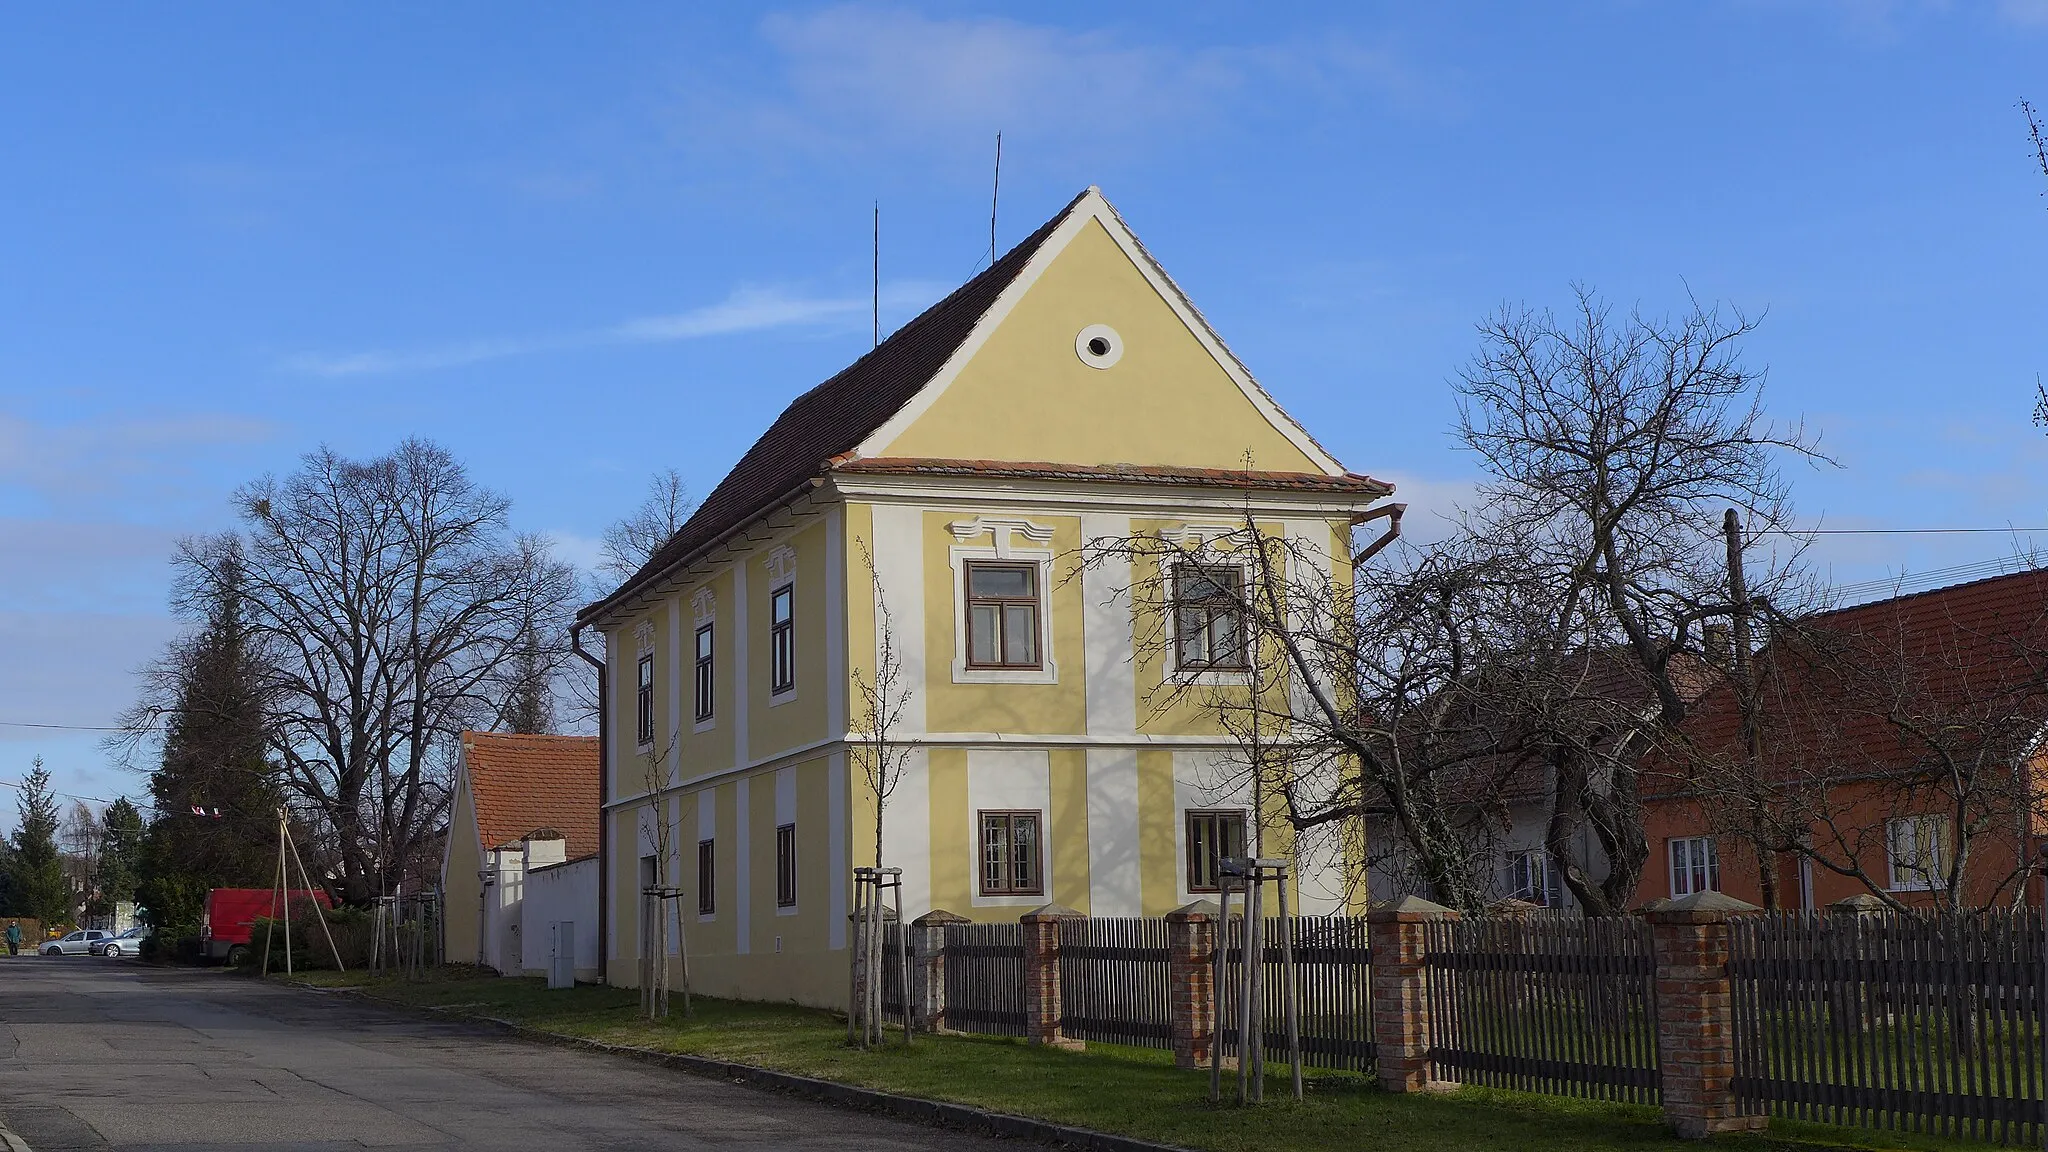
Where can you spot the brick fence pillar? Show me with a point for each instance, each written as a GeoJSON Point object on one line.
{"type": "Point", "coordinates": [1400, 1004]}
{"type": "Point", "coordinates": [1191, 981]}
{"type": "Point", "coordinates": [1695, 1015]}
{"type": "Point", "coordinates": [928, 968]}
{"type": "Point", "coordinates": [1041, 932]}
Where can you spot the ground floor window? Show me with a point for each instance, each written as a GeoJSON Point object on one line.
{"type": "Point", "coordinates": [1532, 876]}
{"type": "Point", "coordinates": [1213, 836]}
{"type": "Point", "coordinates": [707, 885]}
{"type": "Point", "coordinates": [785, 866]}
{"type": "Point", "coordinates": [1918, 851]}
{"type": "Point", "coordinates": [1695, 866]}
{"type": "Point", "coordinates": [1010, 854]}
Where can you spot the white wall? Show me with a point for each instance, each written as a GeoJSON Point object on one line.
{"type": "Point", "coordinates": [563, 892]}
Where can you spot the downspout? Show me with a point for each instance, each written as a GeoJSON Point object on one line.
{"type": "Point", "coordinates": [604, 823]}
{"type": "Point", "coordinates": [1393, 513]}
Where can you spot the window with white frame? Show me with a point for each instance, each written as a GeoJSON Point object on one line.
{"type": "Point", "coordinates": [1918, 848]}
{"type": "Point", "coordinates": [782, 640]}
{"type": "Point", "coordinates": [1532, 876]}
{"type": "Point", "coordinates": [1003, 609]}
{"type": "Point", "coordinates": [704, 696]}
{"type": "Point", "coordinates": [1208, 618]}
{"type": "Point", "coordinates": [643, 702]}
{"type": "Point", "coordinates": [1695, 865]}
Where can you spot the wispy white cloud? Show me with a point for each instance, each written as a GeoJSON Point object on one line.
{"type": "Point", "coordinates": [2026, 13]}
{"type": "Point", "coordinates": [862, 77]}
{"type": "Point", "coordinates": [79, 461]}
{"type": "Point", "coordinates": [747, 309]}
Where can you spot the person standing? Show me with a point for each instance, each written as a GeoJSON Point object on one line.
{"type": "Point", "coordinates": [14, 938]}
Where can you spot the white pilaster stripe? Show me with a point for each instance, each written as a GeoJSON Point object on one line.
{"type": "Point", "coordinates": [898, 549]}
{"type": "Point", "coordinates": [836, 817]}
{"type": "Point", "coordinates": [835, 620]}
{"type": "Point", "coordinates": [675, 688]}
{"type": "Point", "coordinates": [743, 865]}
{"type": "Point", "coordinates": [740, 685]}
{"type": "Point", "coordinates": [1115, 878]}
{"type": "Point", "coordinates": [1108, 642]}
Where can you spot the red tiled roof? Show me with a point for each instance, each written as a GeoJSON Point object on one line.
{"type": "Point", "coordinates": [834, 417]}
{"type": "Point", "coordinates": [1974, 654]}
{"type": "Point", "coordinates": [524, 783]}
{"type": "Point", "coordinates": [1350, 482]}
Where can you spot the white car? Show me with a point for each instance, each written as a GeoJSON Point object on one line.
{"type": "Point", "coordinates": [75, 944]}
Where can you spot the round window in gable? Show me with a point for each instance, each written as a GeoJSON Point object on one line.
{"type": "Point", "coordinates": [1099, 346]}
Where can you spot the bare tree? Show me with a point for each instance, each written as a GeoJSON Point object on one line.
{"type": "Point", "coordinates": [1612, 446]}
{"type": "Point", "coordinates": [385, 601]}
{"type": "Point", "coordinates": [880, 698]}
{"type": "Point", "coordinates": [81, 837]}
{"type": "Point", "coordinates": [631, 542]}
{"type": "Point", "coordinates": [656, 900]}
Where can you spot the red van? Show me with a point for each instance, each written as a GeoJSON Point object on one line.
{"type": "Point", "coordinates": [231, 914]}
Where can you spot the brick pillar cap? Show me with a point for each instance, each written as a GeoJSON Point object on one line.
{"type": "Point", "coordinates": [1861, 903]}
{"type": "Point", "coordinates": [1701, 908]}
{"type": "Point", "coordinates": [1196, 910]}
{"type": "Point", "coordinates": [1048, 913]}
{"type": "Point", "coordinates": [1409, 909]}
{"type": "Point", "coordinates": [937, 917]}
{"type": "Point", "coordinates": [1656, 905]}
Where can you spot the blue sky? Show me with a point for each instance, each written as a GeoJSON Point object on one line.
{"type": "Point", "coordinates": [577, 244]}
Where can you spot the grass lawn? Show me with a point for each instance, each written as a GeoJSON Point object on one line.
{"type": "Point", "coordinates": [1137, 1092]}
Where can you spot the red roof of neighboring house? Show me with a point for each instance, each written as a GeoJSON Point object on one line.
{"type": "Point", "coordinates": [1351, 483]}
{"type": "Point", "coordinates": [1974, 656]}
{"type": "Point", "coordinates": [522, 784]}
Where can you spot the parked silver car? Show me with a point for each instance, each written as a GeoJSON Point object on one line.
{"type": "Point", "coordinates": [126, 944]}
{"type": "Point", "coordinates": [75, 944]}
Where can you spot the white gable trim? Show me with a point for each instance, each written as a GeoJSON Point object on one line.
{"type": "Point", "coordinates": [1094, 207]}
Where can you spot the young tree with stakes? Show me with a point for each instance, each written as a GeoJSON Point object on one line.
{"type": "Point", "coordinates": [881, 698]}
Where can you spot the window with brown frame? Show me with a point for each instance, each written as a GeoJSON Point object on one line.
{"type": "Point", "coordinates": [1010, 854]}
{"type": "Point", "coordinates": [704, 698]}
{"type": "Point", "coordinates": [782, 639]}
{"type": "Point", "coordinates": [1208, 614]}
{"type": "Point", "coordinates": [785, 866]}
{"type": "Point", "coordinates": [1213, 836]}
{"type": "Point", "coordinates": [1002, 615]}
{"type": "Point", "coordinates": [707, 878]}
{"type": "Point", "coordinates": [643, 702]}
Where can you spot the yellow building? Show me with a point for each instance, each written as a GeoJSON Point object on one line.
{"type": "Point", "coordinates": [1068, 394]}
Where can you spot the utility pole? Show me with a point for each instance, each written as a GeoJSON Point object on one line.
{"type": "Point", "coordinates": [1739, 672]}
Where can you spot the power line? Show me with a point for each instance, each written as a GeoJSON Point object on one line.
{"type": "Point", "coordinates": [75, 796]}
{"type": "Point", "coordinates": [65, 727]}
{"type": "Point", "coordinates": [1884, 531]}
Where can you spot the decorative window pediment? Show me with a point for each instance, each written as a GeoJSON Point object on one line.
{"type": "Point", "coordinates": [643, 636]}
{"type": "Point", "coordinates": [781, 563]}
{"type": "Point", "coordinates": [704, 605]}
{"type": "Point", "coordinates": [1000, 530]}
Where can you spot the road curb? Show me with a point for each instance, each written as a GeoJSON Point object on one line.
{"type": "Point", "coordinates": [937, 1113]}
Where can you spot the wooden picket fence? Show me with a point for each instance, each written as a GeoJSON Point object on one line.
{"type": "Point", "coordinates": [1544, 1003]}
{"type": "Point", "coordinates": [1333, 990]}
{"type": "Point", "coordinates": [1113, 981]}
{"type": "Point", "coordinates": [985, 978]}
{"type": "Point", "coordinates": [1926, 1023]}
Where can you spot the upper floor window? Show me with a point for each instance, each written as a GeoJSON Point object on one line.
{"type": "Point", "coordinates": [1918, 850]}
{"type": "Point", "coordinates": [1695, 866]}
{"type": "Point", "coordinates": [643, 701]}
{"type": "Point", "coordinates": [1208, 618]}
{"type": "Point", "coordinates": [1213, 837]}
{"type": "Point", "coordinates": [704, 699]}
{"type": "Point", "coordinates": [1532, 876]}
{"type": "Point", "coordinates": [782, 639]}
{"type": "Point", "coordinates": [1010, 854]}
{"type": "Point", "coordinates": [1002, 615]}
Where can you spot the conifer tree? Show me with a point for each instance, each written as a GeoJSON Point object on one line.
{"type": "Point", "coordinates": [37, 873]}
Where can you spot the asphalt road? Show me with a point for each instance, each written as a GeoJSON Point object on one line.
{"type": "Point", "coordinates": [99, 1054]}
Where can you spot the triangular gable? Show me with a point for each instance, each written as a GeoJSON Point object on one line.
{"type": "Point", "coordinates": [1019, 388]}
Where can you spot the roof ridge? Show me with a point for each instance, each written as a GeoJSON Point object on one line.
{"type": "Point", "coordinates": [861, 397]}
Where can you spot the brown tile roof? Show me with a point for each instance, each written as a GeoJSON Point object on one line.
{"type": "Point", "coordinates": [524, 783]}
{"type": "Point", "coordinates": [1349, 483]}
{"type": "Point", "coordinates": [1974, 655]}
{"type": "Point", "coordinates": [834, 417]}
